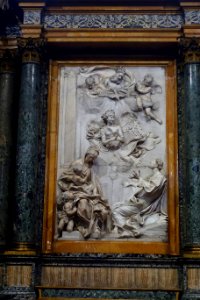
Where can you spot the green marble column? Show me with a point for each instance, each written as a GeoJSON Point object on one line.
{"type": "Point", "coordinates": [7, 80]}
{"type": "Point", "coordinates": [191, 86]}
{"type": "Point", "coordinates": [27, 149]}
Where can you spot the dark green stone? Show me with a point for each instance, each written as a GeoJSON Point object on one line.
{"type": "Point", "coordinates": [6, 144]}
{"type": "Point", "coordinates": [27, 155]}
{"type": "Point", "coordinates": [192, 152]}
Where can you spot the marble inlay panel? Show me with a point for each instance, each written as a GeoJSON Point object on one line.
{"type": "Point", "coordinates": [19, 275]}
{"type": "Point", "coordinates": [106, 294]}
{"type": "Point", "coordinates": [110, 278]}
{"type": "Point", "coordinates": [193, 278]}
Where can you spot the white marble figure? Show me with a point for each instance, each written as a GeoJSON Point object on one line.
{"type": "Point", "coordinates": [116, 84]}
{"type": "Point", "coordinates": [125, 135]}
{"type": "Point", "coordinates": [144, 92]}
{"type": "Point", "coordinates": [111, 134]}
{"type": "Point", "coordinates": [83, 207]}
{"type": "Point", "coordinates": [146, 210]}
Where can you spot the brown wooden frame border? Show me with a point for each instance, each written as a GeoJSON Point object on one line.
{"type": "Point", "coordinates": [172, 246]}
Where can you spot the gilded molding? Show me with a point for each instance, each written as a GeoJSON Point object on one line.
{"type": "Point", "coordinates": [23, 247]}
{"type": "Point", "coordinates": [116, 21]}
{"type": "Point", "coordinates": [192, 252]}
{"type": "Point", "coordinates": [190, 48]}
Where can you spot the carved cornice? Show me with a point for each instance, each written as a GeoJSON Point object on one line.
{"type": "Point", "coordinates": [190, 48]}
{"type": "Point", "coordinates": [31, 49]}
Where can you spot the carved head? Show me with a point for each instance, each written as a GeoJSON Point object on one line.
{"type": "Point", "coordinates": [157, 163]}
{"type": "Point", "coordinates": [108, 116]}
{"type": "Point", "coordinates": [91, 154]}
{"type": "Point", "coordinates": [148, 80]}
{"type": "Point", "coordinates": [90, 82]}
{"type": "Point", "coordinates": [68, 205]}
{"type": "Point", "coordinates": [117, 78]}
{"type": "Point", "coordinates": [77, 168]}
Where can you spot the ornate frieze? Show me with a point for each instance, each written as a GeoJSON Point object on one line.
{"type": "Point", "coordinates": [32, 17]}
{"type": "Point", "coordinates": [113, 21]}
{"type": "Point", "coordinates": [13, 31]}
{"type": "Point", "coordinates": [192, 17]}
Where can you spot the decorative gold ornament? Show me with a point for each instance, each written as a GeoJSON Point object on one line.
{"type": "Point", "coordinates": [190, 48]}
{"type": "Point", "coordinates": [31, 49]}
{"type": "Point", "coordinates": [30, 56]}
{"type": "Point", "coordinates": [192, 252]}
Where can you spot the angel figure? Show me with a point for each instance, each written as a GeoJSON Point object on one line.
{"type": "Point", "coordinates": [145, 90]}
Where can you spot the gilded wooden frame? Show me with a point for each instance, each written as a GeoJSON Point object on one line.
{"type": "Point", "coordinates": [172, 246]}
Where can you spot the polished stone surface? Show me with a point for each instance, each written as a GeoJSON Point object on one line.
{"type": "Point", "coordinates": [192, 152]}
{"type": "Point", "coordinates": [6, 144]}
{"type": "Point", "coordinates": [27, 154]}
{"type": "Point", "coordinates": [109, 294]}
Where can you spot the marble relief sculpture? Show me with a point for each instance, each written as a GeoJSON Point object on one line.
{"type": "Point", "coordinates": [118, 188]}
{"type": "Point", "coordinates": [146, 204]}
{"type": "Point", "coordinates": [144, 92]}
{"type": "Point", "coordinates": [124, 134]}
{"type": "Point", "coordinates": [81, 205]}
{"type": "Point", "coordinates": [116, 85]}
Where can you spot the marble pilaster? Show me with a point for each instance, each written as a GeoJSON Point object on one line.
{"type": "Point", "coordinates": [191, 86]}
{"type": "Point", "coordinates": [7, 85]}
{"type": "Point", "coordinates": [27, 148]}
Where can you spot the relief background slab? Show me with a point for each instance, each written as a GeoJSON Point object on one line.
{"type": "Point", "coordinates": [79, 106]}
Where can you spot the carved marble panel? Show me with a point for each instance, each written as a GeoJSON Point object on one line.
{"type": "Point", "coordinates": [111, 168]}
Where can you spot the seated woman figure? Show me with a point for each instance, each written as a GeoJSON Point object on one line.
{"type": "Point", "coordinates": [93, 212]}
